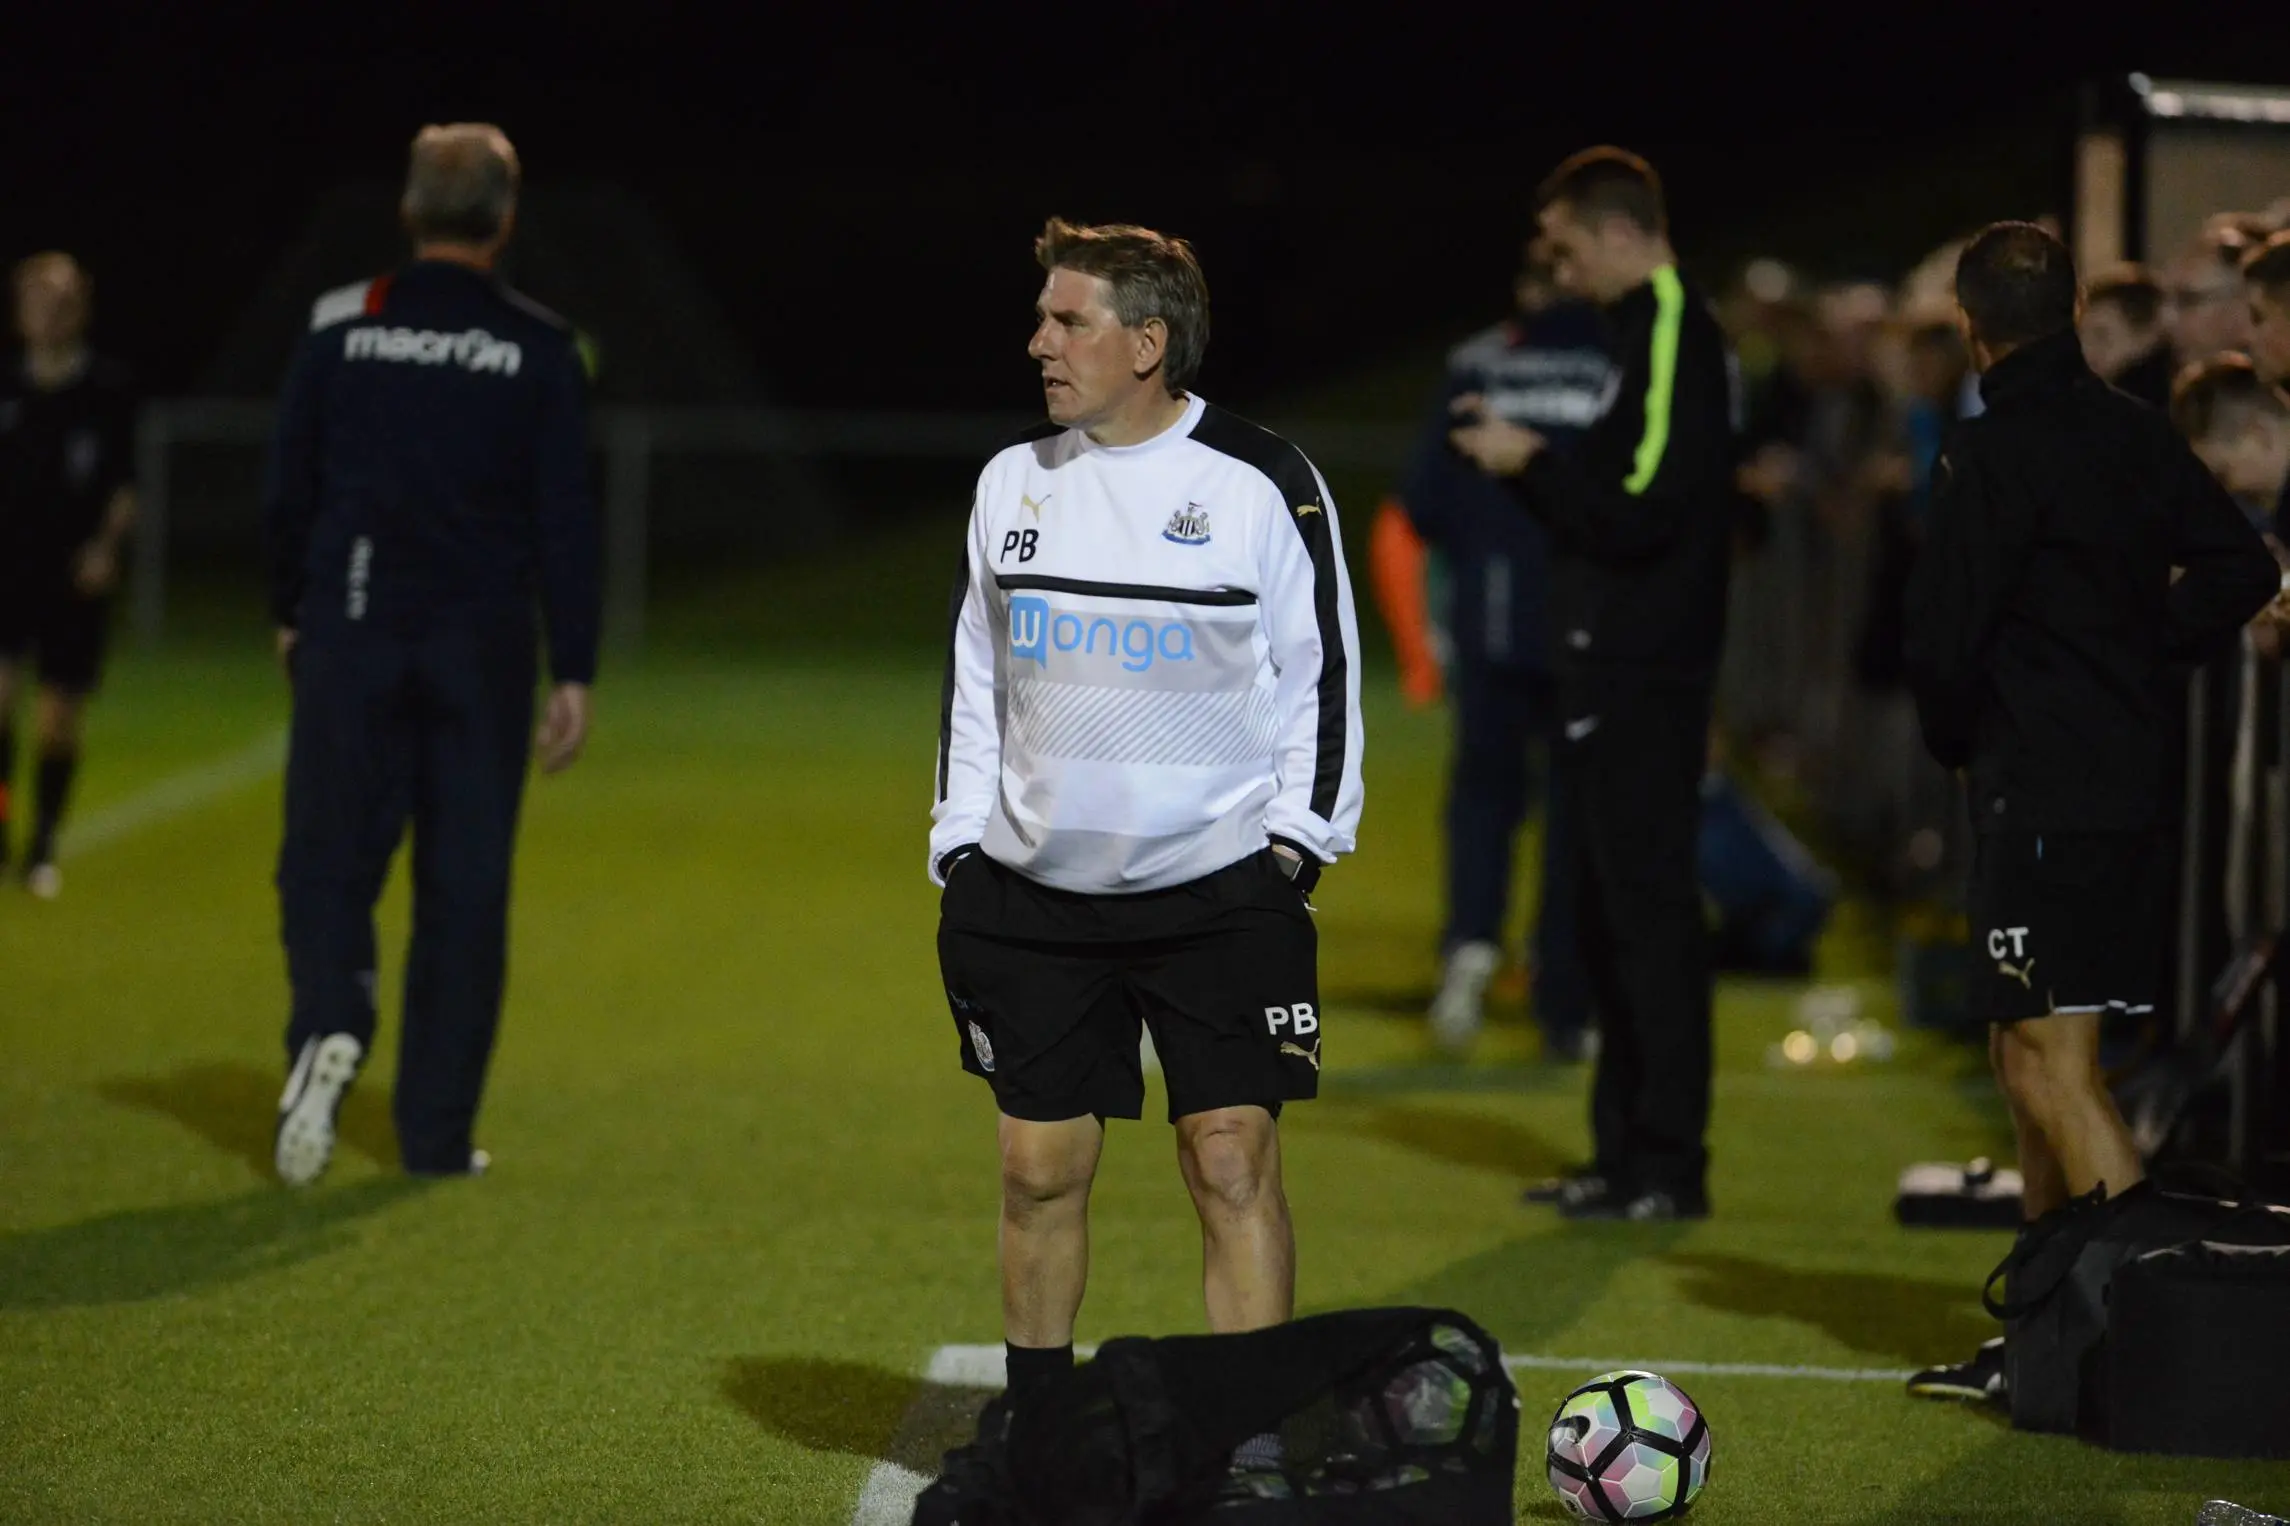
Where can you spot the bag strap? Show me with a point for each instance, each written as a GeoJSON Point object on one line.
{"type": "Point", "coordinates": [2073, 1224]}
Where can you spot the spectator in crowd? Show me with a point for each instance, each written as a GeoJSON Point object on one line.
{"type": "Point", "coordinates": [2240, 426]}
{"type": "Point", "coordinates": [2266, 284]}
{"type": "Point", "coordinates": [2203, 301]}
{"type": "Point", "coordinates": [1932, 372]}
{"type": "Point", "coordinates": [1846, 409]}
{"type": "Point", "coordinates": [2124, 338]}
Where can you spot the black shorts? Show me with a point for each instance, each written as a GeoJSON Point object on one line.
{"type": "Point", "coordinates": [2069, 922]}
{"type": "Point", "coordinates": [1048, 989]}
{"type": "Point", "coordinates": [49, 621]}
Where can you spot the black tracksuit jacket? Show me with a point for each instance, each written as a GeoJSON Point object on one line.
{"type": "Point", "coordinates": [1641, 511]}
{"type": "Point", "coordinates": [431, 466]}
{"type": "Point", "coordinates": [2047, 640]}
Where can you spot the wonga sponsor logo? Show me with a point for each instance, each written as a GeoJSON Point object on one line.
{"type": "Point", "coordinates": [1036, 629]}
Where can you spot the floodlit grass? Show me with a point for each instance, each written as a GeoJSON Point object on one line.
{"type": "Point", "coordinates": [742, 1190]}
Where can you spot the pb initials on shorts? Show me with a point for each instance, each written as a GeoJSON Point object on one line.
{"type": "Point", "coordinates": [1298, 1020]}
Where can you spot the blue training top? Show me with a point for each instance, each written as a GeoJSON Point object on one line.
{"type": "Point", "coordinates": [1549, 371]}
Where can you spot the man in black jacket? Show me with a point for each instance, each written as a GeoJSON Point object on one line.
{"type": "Point", "coordinates": [1641, 517]}
{"type": "Point", "coordinates": [2044, 625]}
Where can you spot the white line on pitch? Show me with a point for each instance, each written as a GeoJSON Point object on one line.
{"type": "Point", "coordinates": [177, 795]}
{"type": "Point", "coordinates": [892, 1487]}
{"type": "Point", "coordinates": [888, 1499]}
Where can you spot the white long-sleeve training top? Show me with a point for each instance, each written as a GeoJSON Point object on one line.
{"type": "Point", "coordinates": [1155, 663]}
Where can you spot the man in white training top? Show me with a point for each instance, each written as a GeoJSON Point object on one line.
{"type": "Point", "coordinates": [1149, 744]}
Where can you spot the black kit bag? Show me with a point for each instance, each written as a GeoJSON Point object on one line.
{"type": "Point", "coordinates": [1387, 1417]}
{"type": "Point", "coordinates": [2054, 1301]}
{"type": "Point", "coordinates": [2197, 1357]}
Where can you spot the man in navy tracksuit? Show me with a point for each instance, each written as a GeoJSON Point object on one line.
{"type": "Point", "coordinates": [430, 475]}
{"type": "Point", "coordinates": [1546, 368]}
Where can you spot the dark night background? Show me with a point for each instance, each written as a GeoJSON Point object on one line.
{"type": "Point", "coordinates": [857, 193]}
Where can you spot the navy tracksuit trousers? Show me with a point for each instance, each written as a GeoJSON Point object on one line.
{"type": "Point", "coordinates": [1504, 718]}
{"type": "Point", "coordinates": [432, 731]}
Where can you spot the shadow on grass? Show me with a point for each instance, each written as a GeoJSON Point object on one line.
{"type": "Point", "coordinates": [153, 1252]}
{"type": "Point", "coordinates": [854, 1409]}
{"type": "Point", "coordinates": [1530, 1293]}
{"type": "Point", "coordinates": [234, 1107]}
{"type": "Point", "coordinates": [1458, 1138]}
{"type": "Point", "coordinates": [824, 1405]}
{"type": "Point", "coordinates": [2014, 1478]}
{"type": "Point", "coordinates": [1911, 1319]}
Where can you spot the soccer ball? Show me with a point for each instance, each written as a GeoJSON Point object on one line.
{"type": "Point", "coordinates": [1628, 1446]}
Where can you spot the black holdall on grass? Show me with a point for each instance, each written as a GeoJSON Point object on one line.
{"type": "Point", "coordinates": [2198, 1344]}
{"type": "Point", "coordinates": [1387, 1417]}
{"type": "Point", "coordinates": [2054, 1303]}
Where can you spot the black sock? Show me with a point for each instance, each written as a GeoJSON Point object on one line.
{"type": "Point", "coordinates": [1031, 1367]}
{"type": "Point", "coordinates": [7, 781]}
{"type": "Point", "coordinates": [51, 787]}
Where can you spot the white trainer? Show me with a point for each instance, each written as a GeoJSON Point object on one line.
{"type": "Point", "coordinates": [322, 1073]}
{"type": "Point", "coordinates": [1459, 1011]}
{"type": "Point", "coordinates": [45, 881]}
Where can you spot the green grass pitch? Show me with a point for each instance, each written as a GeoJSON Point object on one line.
{"type": "Point", "coordinates": [742, 1191]}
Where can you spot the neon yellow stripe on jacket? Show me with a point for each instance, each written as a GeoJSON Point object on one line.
{"type": "Point", "coordinates": [1662, 378]}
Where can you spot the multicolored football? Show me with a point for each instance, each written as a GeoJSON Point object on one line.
{"type": "Point", "coordinates": [1629, 1446]}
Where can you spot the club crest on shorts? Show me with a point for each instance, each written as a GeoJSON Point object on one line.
{"type": "Point", "coordinates": [1189, 526]}
{"type": "Point", "coordinates": [982, 1047]}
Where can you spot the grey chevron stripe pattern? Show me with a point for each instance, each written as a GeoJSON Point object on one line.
{"type": "Point", "coordinates": [1097, 724]}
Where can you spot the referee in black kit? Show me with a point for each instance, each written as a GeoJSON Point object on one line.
{"type": "Point", "coordinates": [2045, 629]}
{"type": "Point", "coordinates": [430, 473]}
{"type": "Point", "coordinates": [67, 503]}
{"type": "Point", "coordinates": [1641, 516]}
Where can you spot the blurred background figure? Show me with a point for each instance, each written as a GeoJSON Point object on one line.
{"type": "Point", "coordinates": [1769, 898]}
{"type": "Point", "coordinates": [2124, 336]}
{"type": "Point", "coordinates": [428, 490]}
{"type": "Point", "coordinates": [1902, 810]}
{"type": "Point", "coordinates": [2203, 301]}
{"type": "Point", "coordinates": [67, 503]}
{"type": "Point", "coordinates": [1545, 367]}
{"type": "Point", "coordinates": [2240, 427]}
{"type": "Point", "coordinates": [2266, 285]}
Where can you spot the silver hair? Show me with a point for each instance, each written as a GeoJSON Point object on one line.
{"type": "Point", "coordinates": [461, 183]}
